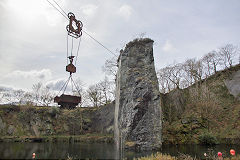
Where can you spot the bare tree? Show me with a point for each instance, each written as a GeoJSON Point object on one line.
{"type": "Point", "coordinates": [28, 98]}
{"type": "Point", "coordinates": [94, 95]}
{"type": "Point", "coordinates": [7, 97]}
{"type": "Point", "coordinates": [19, 96]}
{"type": "Point", "coordinates": [139, 35]}
{"type": "Point", "coordinates": [175, 74]}
{"type": "Point", "coordinates": [182, 75]}
{"type": "Point", "coordinates": [227, 54]}
{"type": "Point", "coordinates": [199, 70]}
{"type": "Point", "coordinates": [14, 96]}
{"type": "Point", "coordinates": [206, 60]}
{"type": "Point", "coordinates": [106, 87]}
{"type": "Point", "coordinates": [211, 62]}
{"type": "Point", "coordinates": [42, 94]}
{"type": "Point", "coordinates": [110, 67]}
{"type": "Point", "coordinates": [1, 95]}
{"type": "Point", "coordinates": [189, 69]}
{"type": "Point", "coordinates": [101, 93]}
{"type": "Point", "coordinates": [193, 71]}
{"type": "Point", "coordinates": [164, 82]}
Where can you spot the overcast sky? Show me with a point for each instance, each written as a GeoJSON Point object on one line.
{"type": "Point", "coordinates": [33, 35]}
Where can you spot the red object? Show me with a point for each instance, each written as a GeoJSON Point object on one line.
{"type": "Point", "coordinates": [33, 156]}
{"type": "Point", "coordinates": [232, 152]}
{"type": "Point", "coordinates": [219, 154]}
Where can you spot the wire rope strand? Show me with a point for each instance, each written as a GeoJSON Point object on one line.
{"type": "Point", "coordinates": [60, 7]}
{"type": "Point", "coordinates": [99, 43]}
{"type": "Point", "coordinates": [57, 9]}
{"type": "Point", "coordinates": [72, 46]}
{"type": "Point", "coordinates": [64, 85]}
{"type": "Point", "coordinates": [78, 90]}
{"type": "Point", "coordinates": [72, 85]}
{"type": "Point", "coordinates": [67, 83]}
{"type": "Point", "coordinates": [78, 50]}
{"type": "Point", "coordinates": [67, 49]}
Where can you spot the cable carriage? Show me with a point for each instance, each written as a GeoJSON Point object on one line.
{"type": "Point", "coordinates": [74, 29]}
{"type": "Point", "coordinates": [71, 101]}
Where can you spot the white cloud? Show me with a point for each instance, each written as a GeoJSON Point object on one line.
{"type": "Point", "coordinates": [168, 47]}
{"type": "Point", "coordinates": [125, 11]}
{"type": "Point", "coordinates": [4, 88]}
{"type": "Point", "coordinates": [32, 74]}
{"type": "Point", "coordinates": [56, 84]}
{"type": "Point", "coordinates": [20, 79]}
{"type": "Point", "coordinates": [89, 9]}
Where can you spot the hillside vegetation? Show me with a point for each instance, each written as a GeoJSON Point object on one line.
{"type": "Point", "coordinates": [205, 112]}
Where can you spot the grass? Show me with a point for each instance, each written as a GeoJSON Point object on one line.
{"type": "Point", "coordinates": [160, 156]}
{"type": "Point", "coordinates": [130, 144]}
{"type": "Point", "coordinates": [108, 138]}
{"type": "Point", "coordinates": [157, 156]}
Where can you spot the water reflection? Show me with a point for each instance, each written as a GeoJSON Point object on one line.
{"type": "Point", "coordinates": [199, 150]}
{"type": "Point", "coordinates": [16, 150]}
{"type": "Point", "coordinates": [56, 150]}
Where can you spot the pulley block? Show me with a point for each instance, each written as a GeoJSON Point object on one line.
{"type": "Point", "coordinates": [74, 32]}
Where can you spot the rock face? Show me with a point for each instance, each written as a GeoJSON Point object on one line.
{"type": "Point", "coordinates": [138, 119]}
{"type": "Point", "coordinates": [102, 119]}
{"type": "Point", "coordinates": [35, 121]}
{"type": "Point", "coordinates": [2, 125]}
{"type": "Point", "coordinates": [44, 121]}
{"type": "Point", "coordinates": [233, 85]}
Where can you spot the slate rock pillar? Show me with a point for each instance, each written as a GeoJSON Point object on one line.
{"type": "Point", "coordinates": [138, 115]}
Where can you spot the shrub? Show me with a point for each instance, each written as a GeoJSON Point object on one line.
{"type": "Point", "coordinates": [53, 111]}
{"type": "Point", "coordinates": [24, 116]}
{"type": "Point", "coordinates": [208, 138]}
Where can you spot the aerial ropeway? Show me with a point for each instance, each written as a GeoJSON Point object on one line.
{"type": "Point", "coordinates": [65, 101]}
{"type": "Point", "coordinates": [74, 30]}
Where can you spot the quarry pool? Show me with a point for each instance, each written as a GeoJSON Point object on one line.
{"type": "Point", "coordinates": [18, 150]}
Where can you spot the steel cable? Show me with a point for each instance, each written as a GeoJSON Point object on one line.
{"type": "Point", "coordinates": [82, 30]}
{"type": "Point", "coordinates": [60, 7]}
{"type": "Point", "coordinates": [78, 50]}
{"type": "Point", "coordinates": [57, 9]}
{"type": "Point", "coordinates": [67, 49]}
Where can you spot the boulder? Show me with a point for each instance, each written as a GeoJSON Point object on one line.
{"type": "Point", "coordinates": [138, 116]}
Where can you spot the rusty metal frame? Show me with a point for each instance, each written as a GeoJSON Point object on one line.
{"type": "Point", "coordinates": [76, 33]}
{"type": "Point", "coordinates": [70, 67]}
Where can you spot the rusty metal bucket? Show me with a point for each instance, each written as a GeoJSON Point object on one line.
{"type": "Point", "coordinates": [67, 101]}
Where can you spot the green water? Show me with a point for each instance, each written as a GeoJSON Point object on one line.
{"type": "Point", "coordinates": [17, 150]}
